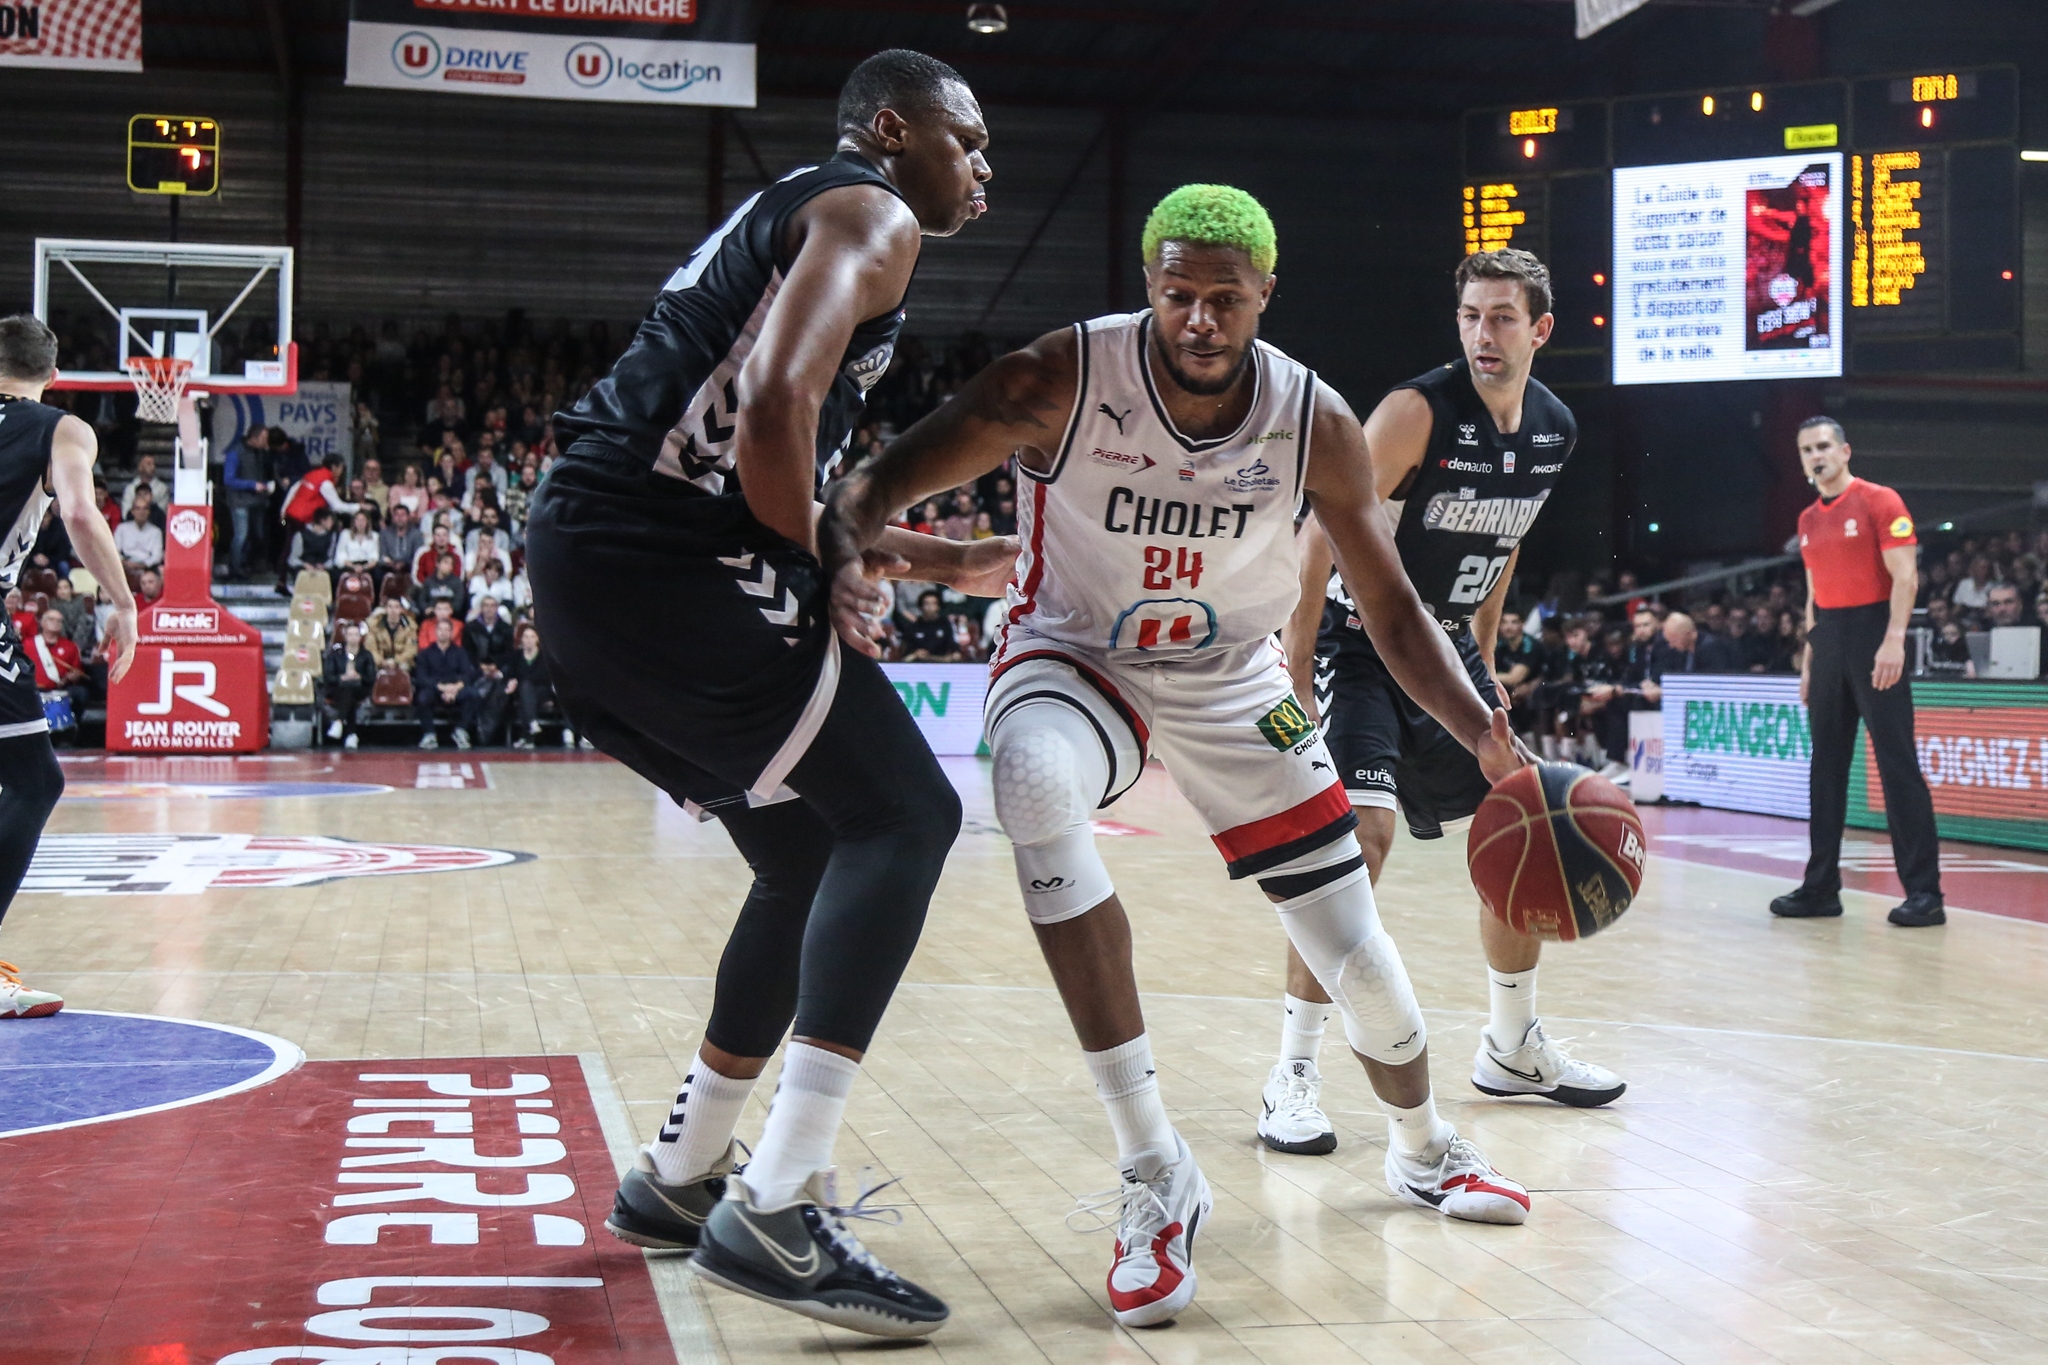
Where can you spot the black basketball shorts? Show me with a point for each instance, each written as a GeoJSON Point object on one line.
{"type": "Point", "coordinates": [21, 705]}
{"type": "Point", "coordinates": [1389, 751]}
{"type": "Point", "coordinates": [682, 637]}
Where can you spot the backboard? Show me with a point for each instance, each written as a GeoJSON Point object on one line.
{"type": "Point", "coordinates": [225, 308]}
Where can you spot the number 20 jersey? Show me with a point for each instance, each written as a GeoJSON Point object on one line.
{"type": "Point", "coordinates": [1147, 543]}
{"type": "Point", "coordinates": [1477, 492]}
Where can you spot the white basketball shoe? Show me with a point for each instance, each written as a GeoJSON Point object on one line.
{"type": "Point", "coordinates": [1292, 1119]}
{"type": "Point", "coordinates": [1160, 1208]}
{"type": "Point", "coordinates": [19, 1002]}
{"type": "Point", "coordinates": [1462, 1184]}
{"type": "Point", "coordinates": [1537, 1065]}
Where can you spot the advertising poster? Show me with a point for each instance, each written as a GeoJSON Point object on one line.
{"type": "Point", "coordinates": [76, 35]}
{"type": "Point", "coordinates": [1728, 270]}
{"type": "Point", "coordinates": [317, 416]}
{"type": "Point", "coordinates": [639, 51]}
{"type": "Point", "coordinates": [1788, 264]}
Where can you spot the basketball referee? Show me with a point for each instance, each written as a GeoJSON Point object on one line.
{"type": "Point", "coordinates": [1858, 544]}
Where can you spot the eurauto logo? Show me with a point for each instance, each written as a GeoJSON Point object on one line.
{"type": "Point", "coordinates": [416, 54]}
{"type": "Point", "coordinates": [591, 64]}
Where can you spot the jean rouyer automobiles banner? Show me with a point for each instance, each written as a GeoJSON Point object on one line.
{"type": "Point", "coordinates": [641, 51]}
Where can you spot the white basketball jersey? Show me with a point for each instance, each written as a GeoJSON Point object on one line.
{"type": "Point", "coordinates": [1142, 541]}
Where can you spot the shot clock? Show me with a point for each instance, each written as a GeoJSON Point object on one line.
{"type": "Point", "coordinates": [173, 154]}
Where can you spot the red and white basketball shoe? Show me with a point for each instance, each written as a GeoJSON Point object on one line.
{"type": "Point", "coordinates": [1160, 1209]}
{"type": "Point", "coordinates": [1462, 1184]}
{"type": "Point", "coordinates": [19, 1002]}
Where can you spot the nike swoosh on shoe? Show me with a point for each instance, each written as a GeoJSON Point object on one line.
{"type": "Point", "coordinates": [801, 1268]}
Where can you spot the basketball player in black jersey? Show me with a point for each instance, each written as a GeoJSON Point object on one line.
{"type": "Point", "coordinates": [672, 560]}
{"type": "Point", "coordinates": [43, 450]}
{"type": "Point", "coordinates": [1470, 453]}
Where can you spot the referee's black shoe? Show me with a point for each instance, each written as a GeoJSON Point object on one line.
{"type": "Point", "coordinates": [1919, 911]}
{"type": "Point", "coordinates": [1806, 903]}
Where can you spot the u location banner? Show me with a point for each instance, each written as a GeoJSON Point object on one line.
{"type": "Point", "coordinates": [637, 51]}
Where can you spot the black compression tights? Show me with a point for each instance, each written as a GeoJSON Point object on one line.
{"type": "Point", "coordinates": [842, 878]}
{"type": "Point", "coordinates": [30, 783]}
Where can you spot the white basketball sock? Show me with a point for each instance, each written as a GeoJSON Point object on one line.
{"type": "Point", "coordinates": [803, 1121]}
{"type": "Point", "coordinates": [1512, 996]}
{"type": "Point", "coordinates": [699, 1128]}
{"type": "Point", "coordinates": [1128, 1085]}
{"type": "Point", "coordinates": [1418, 1134]}
{"type": "Point", "coordinates": [1301, 1027]}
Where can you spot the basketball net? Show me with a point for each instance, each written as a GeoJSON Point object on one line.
{"type": "Point", "coordinates": [159, 385]}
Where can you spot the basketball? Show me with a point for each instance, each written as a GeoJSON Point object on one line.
{"type": "Point", "coordinates": [1556, 851]}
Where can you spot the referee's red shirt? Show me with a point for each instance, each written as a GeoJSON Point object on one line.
{"type": "Point", "coordinates": [1843, 541]}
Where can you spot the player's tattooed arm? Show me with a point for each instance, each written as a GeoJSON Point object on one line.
{"type": "Point", "coordinates": [1340, 486]}
{"type": "Point", "coordinates": [1017, 406]}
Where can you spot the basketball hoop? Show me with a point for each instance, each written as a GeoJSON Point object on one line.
{"type": "Point", "coordinates": [159, 384]}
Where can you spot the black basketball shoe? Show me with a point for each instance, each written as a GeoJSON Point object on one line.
{"type": "Point", "coordinates": [650, 1212]}
{"type": "Point", "coordinates": [1807, 904]}
{"type": "Point", "coordinates": [802, 1257]}
{"type": "Point", "coordinates": [1919, 911]}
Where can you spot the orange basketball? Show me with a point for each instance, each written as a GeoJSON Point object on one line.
{"type": "Point", "coordinates": [1557, 851]}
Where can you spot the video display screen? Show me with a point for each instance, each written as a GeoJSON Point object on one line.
{"type": "Point", "coordinates": [1728, 270]}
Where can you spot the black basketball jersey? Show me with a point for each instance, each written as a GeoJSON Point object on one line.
{"type": "Point", "coordinates": [26, 429]}
{"type": "Point", "coordinates": [670, 403]}
{"type": "Point", "coordinates": [1476, 492]}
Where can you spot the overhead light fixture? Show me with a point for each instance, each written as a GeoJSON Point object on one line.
{"type": "Point", "coordinates": [1809, 7]}
{"type": "Point", "coordinates": [2034, 156]}
{"type": "Point", "coordinates": [987, 19]}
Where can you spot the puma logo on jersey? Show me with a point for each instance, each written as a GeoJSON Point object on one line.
{"type": "Point", "coordinates": [1113, 415]}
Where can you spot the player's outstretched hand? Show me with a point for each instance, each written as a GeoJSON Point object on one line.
{"type": "Point", "coordinates": [860, 602]}
{"type": "Point", "coordinates": [986, 565]}
{"type": "Point", "coordinates": [121, 636]}
{"type": "Point", "coordinates": [1500, 751]}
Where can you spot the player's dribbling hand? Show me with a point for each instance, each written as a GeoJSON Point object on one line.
{"type": "Point", "coordinates": [860, 603]}
{"type": "Point", "coordinates": [121, 635]}
{"type": "Point", "coordinates": [986, 565]}
{"type": "Point", "coordinates": [1500, 751]}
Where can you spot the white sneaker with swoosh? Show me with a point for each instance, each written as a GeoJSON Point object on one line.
{"type": "Point", "coordinates": [1539, 1065]}
{"type": "Point", "coordinates": [804, 1258]}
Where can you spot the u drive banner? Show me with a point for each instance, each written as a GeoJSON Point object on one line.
{"type": "Point", "coordinates": [634, 51]}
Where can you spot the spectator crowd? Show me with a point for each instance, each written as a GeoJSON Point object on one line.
{"type": "Point", "coordinates": [423, 516]}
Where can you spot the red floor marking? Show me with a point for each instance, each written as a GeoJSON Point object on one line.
{"type": "Point", "coordinates": [239, 1231]}
{"type": "Point", "coordinates": [2011, 882]}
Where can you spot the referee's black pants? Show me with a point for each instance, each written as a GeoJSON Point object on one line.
{"type": "Point", "coordinates": [1844, 642]}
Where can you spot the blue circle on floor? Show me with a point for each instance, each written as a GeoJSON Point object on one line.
{"type": "Point", "coordinates": [87, 1066]}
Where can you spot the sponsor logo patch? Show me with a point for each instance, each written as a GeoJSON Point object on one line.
{"type": "Point", "coordinates": [188, 528]}
{"type": "Point", "coordinates": [1286, 725]}
{"type": "Point", "coordinates": [1118, 459]}
{"type": "Point", "coordinates": [1253, 478]}
{"type": "Point", "coordinates": [1467, 466]}
{"type": "Point", "coordinates": [1901, 527]}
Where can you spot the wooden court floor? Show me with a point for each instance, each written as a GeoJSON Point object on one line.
{"type": "Point", "coordinates": [1831, 1149]}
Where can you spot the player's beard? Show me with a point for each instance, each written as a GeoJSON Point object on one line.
{"type": "Point", "coordinates": [1204, 387]}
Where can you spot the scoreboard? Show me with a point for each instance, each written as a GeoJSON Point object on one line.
{"type": "Point", "coordinates": [1812, 229]}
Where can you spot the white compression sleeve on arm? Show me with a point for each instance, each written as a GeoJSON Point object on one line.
{"type": "Point", "coordinates": [1050, 772]}
{"type": "Point", "coordinates": [1330, 918]}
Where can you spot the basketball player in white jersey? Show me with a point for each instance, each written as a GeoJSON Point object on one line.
{"type": "Point", "coordinates": [1163, 455]}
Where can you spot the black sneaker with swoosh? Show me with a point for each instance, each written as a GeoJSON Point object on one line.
{"type": "Point", "coordinates": [650, 1212]}
{"type": "Point", "coordinates": [804, 1258]}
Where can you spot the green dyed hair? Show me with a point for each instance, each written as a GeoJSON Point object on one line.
{"type": "Point", "coordinates": [1213, 215]}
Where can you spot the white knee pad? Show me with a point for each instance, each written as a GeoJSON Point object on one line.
{"type": "Point", "coordinates": [1331, 920]}
{"type": "Point", "coordinates": [1050, 771]}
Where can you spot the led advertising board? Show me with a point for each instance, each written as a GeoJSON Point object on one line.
{"type": "Point", "coordinates": [1728, 270]}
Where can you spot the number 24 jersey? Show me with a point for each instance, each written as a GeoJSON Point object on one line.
{"type": "Point", "coordinates": [1147, 543]}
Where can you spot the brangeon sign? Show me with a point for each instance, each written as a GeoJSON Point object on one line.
{"type": "Point", "coordinates": [637, 51]}
{"type": "Point", "coordinates": [1737, 742]}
